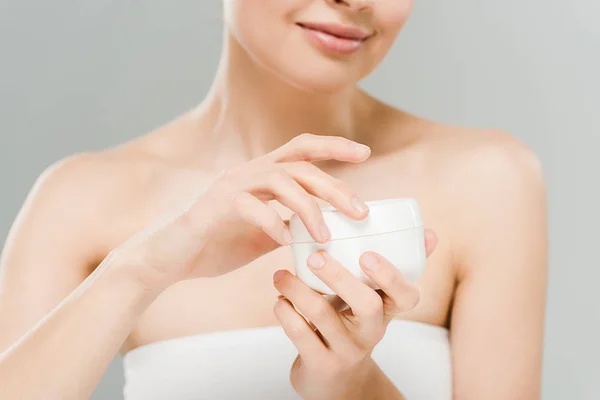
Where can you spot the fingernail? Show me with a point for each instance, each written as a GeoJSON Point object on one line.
{"type": "Point", "coordinates": [278, 275]}
{"type": "Point", "coordinates": [287, 236]}
{"type": "Point", "coordinates": [325, 231]}
{"type": "Point", "coordinates": [370, 261]}
{"type": "Point", "coordinates": [359, 205]}
{"type": "Point", "coordinates": [361, 148]}
{"type": "Point", "coordinates": [315, 260]}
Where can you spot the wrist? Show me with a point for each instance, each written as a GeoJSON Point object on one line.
{"type": "Point", "coordinates": [375, 385]}
{"type": "Point", "coordinates": [148, 282]}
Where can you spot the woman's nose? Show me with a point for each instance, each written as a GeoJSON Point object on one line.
{"type": "Point", "coordinates": [358, 5]}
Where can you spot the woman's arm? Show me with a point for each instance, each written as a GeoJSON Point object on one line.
{"type": "Point", "coordinates": [498, 313]}
{"type": "Point", "coordinates": [65, 354]}
{"type": "Point", "coordinates": [49, 253]}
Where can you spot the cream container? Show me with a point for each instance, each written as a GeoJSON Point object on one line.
{"type": "Point", "coordinates": [393, 229]}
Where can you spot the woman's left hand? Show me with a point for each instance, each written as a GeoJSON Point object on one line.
{"type": "Point", "coordinates": [334, 361]}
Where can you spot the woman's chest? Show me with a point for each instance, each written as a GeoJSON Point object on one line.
{"type": "Point", "coordinates": [244, 298]}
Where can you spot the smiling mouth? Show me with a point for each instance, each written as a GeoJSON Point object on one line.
{"type": "Point", "coordinates": [335, 39]}
{"type": "Point", "coordinates": [337, 31]}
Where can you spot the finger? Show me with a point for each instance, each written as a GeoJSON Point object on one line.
{"type": "Point", "coordinates": [328, 188]}
{"type": "Point", "coordinates": [366, 304]}
{"type": "Point", "coordinates": [315, 308]}
{"type": "Point", "coordinates": [431, 241]}
{"type": "Point", "coordinates": [308, 147]}
{"type": "Point", "coordinates": [289, 193]}
{"type": "Point", "coordinates": [403, 293]}
{"type": "Point", "coordinates": [336, 302]}
{"type": "Point", "coordinates": [306, 340]}
{"type": "Point", "coordinates": [255, 212]}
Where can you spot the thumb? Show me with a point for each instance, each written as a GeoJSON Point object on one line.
{"type": "Point", "coordinates": [431, 241]}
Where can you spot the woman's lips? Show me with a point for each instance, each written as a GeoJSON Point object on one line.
{"type": "Point", "coordinates": [334, 38]}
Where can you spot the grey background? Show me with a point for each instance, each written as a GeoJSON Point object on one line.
{"type": "Point", "coordinates": [85, 75]}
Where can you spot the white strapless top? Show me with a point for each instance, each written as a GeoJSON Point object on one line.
{"type": "Point", "coordinates": [255, 364]}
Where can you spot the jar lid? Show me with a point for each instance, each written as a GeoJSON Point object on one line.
{"type": "Point", "coordinates": [385, 216]}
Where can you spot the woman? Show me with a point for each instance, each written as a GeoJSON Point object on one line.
{"type": "Point", "coordinates": [150, 248]}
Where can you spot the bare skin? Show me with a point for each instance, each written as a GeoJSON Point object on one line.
{"type": "Point", "coordinates": [491, 241]}
{"type": "Point", "coordinates": [481, 191]}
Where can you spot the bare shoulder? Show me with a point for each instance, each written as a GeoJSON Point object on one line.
{"type": "Point", "coordinates": [105, 173]}
{"type": "Point", "coordinates": [485, 164]}
{"type": "Point", "coordinates": [491, 187]}
{"type": "Point", "coordinates": [496, 152]}
{"type": "Point", "coordinates": [81, 198]}
{"type": "Point", "coordinates": [474, 160]}
{"type": "Point", "coordinates": [460, 152]}
{"type": "Point", "coordinates": [92, 178]}
{"type": "Point", "coordinates": [72, 215]}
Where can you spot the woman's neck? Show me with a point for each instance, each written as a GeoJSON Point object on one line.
{"type": "Point", "coordinates": [251, 109]}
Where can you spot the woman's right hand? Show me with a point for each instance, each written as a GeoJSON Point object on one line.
{"type": "Point", "coordinates": [230, 223]}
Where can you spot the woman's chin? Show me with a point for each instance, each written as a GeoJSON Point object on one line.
{"type": "Point", "coordinates": [320, 82]}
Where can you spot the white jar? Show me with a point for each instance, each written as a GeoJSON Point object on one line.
{"type": "Point", "coordinates": [393, 229]}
